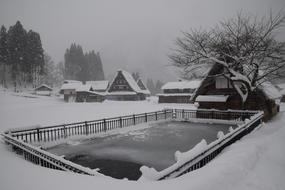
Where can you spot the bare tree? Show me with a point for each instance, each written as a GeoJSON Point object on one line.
{"type": "Point", "coordinates": [244, 45]}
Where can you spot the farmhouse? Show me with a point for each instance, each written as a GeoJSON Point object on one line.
{"type": "Point", "coordinates": [78, 92]}
{"type": "Point", "coordinates": [86, 93]}
{"type": "Point", "coordinates": [69, 91]}
{"type": "Point", "coordinates": [125, 88]}
{"type": "Point", "coordinates": [178, 92]}
{"type": "Point", "coordinates": [143, 88]}
{"type": "Point", "coordinates": [43, 89]}
{"type": "Point", "coordinates": [216, 91]}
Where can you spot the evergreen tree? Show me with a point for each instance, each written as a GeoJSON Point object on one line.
{"type": "Point", "coordinates": [35, 55]}
{"type": "Point", "coordinates": [4, 55]}
{"type": "Point", "coordinates": [100, 72]}
{"type": "Point", "coordinates": [75, 63]}
{"type": "Point", "coordinates": [82, 67]}
{"type": "Point", "coordinates": [17, 43]}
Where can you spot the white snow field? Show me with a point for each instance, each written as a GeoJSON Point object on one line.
{"type": "Point", "coordinates": [257, 161]}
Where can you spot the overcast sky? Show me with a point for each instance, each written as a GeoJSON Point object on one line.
{"type": "Point", "coordinates": [135, 35]}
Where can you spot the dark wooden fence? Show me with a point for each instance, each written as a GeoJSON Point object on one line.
{"type": "Point", "coordinates": [57, 132]}
{"type": "Point", "coordinates": [19, 139]}
{"type": "Point", "coordinates": [230, 115]}
{"type": "Point", "coordinates": [211, 152]}
{"type": "Point", "coordinates": [45, 159]}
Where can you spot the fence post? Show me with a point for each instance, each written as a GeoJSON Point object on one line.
{"type": "Point", "coordinates": [165, 117]}
{"type": "Point", "coordinates": [145, 117]}
{"type": "Point", "coordinates": [156, 116]}
{"type": "Point", "coordinates": [183, 114]}
{"type": "Point", "coordinates": [134, 118]}
{"type": "Point", "coordinates": [65, 133]}
{"type": "Point", "coordinates": [121, 123]}
{"type": "Point", "coordinates": [38, 134]}
{"type": "Point", "coordinates": [105, 125]}
{"type": "Point", "coordinates": [86, 128]}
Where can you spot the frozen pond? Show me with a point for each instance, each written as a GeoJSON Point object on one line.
{"type": "Point", "coordinates": [122, 155]}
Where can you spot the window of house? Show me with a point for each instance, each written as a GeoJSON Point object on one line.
{"type": "Point", "coordinates": [222, 82]}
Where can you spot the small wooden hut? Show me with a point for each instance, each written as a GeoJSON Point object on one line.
{"type": "Point", "coordinates": [43, 90]}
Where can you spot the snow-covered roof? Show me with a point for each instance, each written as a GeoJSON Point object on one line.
{"type": "Point", "coordinates": [71, 81]}
{"type": "Point", "coordinates": [144, 91]}
{"type": "Point", "coordinates": [270, 90]}
{"type": "Point", "coordinates": [182, 85]}
{"type": "Point", "coordinates": [44, 85]}
{"type": "Point", "coordinates": [83, 88]}
{"type": "Point", "coordinates": [121, 93]}
{"type": "Point", "coordinates": [95, 93]}
{"type": "Point", "coordinates": [133, 84]}
{"type": "Point", "coordinates": [212, 98]}
{"type": "Point", "coordinates": [175, 94]}
{"type": "Point", "coordinates": [69, 86]}
{"type": "Point", "coordinates": [99, 84]}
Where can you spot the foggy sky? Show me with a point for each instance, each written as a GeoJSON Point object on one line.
{"type": "Point", "coordinates": [135, 35]}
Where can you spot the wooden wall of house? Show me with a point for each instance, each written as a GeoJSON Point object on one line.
{"type": "Point", "coordinates": [170, 91]}
{"type": "Point", "coordinates": [135, 97]}
{"type": "Point", "coordinates": [88, 97]}
{"type": "Point", "coordinates": [174, 99]}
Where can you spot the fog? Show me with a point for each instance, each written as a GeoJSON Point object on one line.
{"type": "Point", "coordinates": [135, 35]}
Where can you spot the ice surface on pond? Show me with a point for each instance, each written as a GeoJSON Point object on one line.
{"type": "Point", "coordinates": [153, 147]}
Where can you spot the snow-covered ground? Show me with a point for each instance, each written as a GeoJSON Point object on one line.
{"type": "Point", "coordinates": [255, 162]}
{"type": "Point", "coordinates": [24, 110]}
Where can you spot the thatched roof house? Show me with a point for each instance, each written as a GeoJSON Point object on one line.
{"type": "Point", "coordinates": [216, 91]}
{"type": "Point", "coordinates": [125, 88]}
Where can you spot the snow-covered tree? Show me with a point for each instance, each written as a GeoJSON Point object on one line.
{"type": "Point", "coordinates": [17, 42]}
{"type": "Point", "coordinates": [244, 45]}
{"type": "Point", "coordinates": [4, 55]}
{"type": "Point", "coordinates": [35, 56]}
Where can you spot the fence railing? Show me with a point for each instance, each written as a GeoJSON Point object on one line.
{"type": "Point", "coordinates": [57, 132]}
{"type": "Point", "coordinates": [229, 115]}
{"type": "Point", "coordinates": [203, 156]}
{"type": "Point", "coordinates": [46, 159]}
{"type": "Point", "coordinates": [20, 138]}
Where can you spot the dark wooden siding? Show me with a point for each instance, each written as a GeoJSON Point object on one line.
{"type": "Point", "coordinates": [174, 99]}
{"type": "Point", "coordinates": [89, 97]}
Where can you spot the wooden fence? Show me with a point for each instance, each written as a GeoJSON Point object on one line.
{"type": "Point", "coordinates": [210, 153]}
{"type": "Point", "coordinates": [207, 114]}
{"type": "Point", "coordinates": [20, 139]}
{"type": "Point", "coordinates": [57, 132]}
{"type": "Point", "coordinates": [44, 158]}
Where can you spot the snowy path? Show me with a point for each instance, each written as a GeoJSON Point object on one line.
{"type": "Point", "coordinates": [255, 162]}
